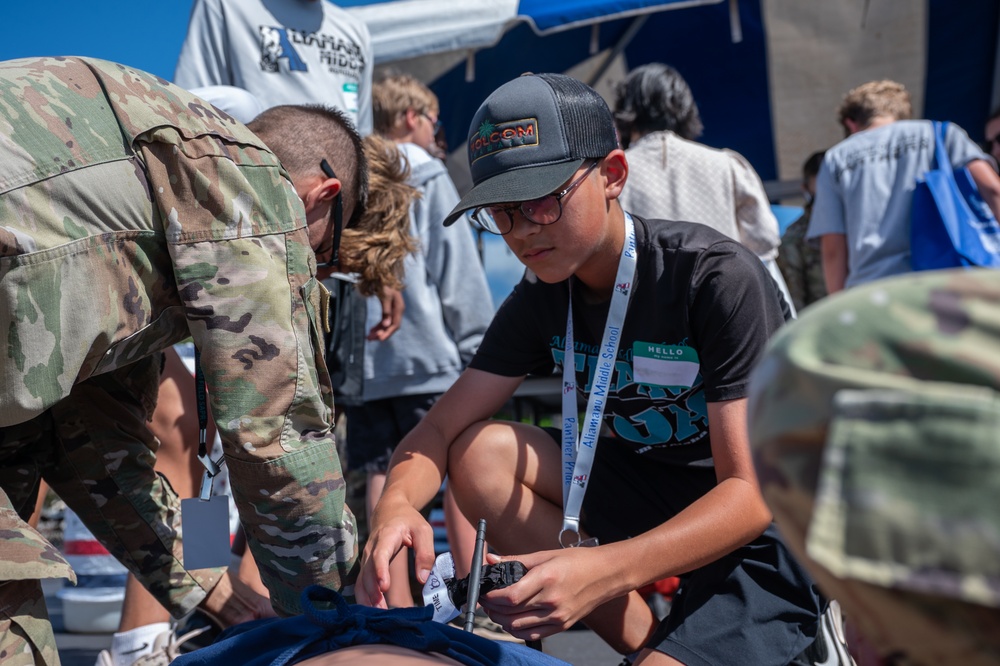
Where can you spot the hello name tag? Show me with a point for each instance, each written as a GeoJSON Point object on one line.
{"type": "Point", "coordinates": [674, 366]}
{"type": "Point", "coordinates": [205, 525]}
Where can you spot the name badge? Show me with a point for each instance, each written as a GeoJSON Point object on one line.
{"type": "Point", "coordinates": [205, 525]}
{"type": "Point", "coordinates": [350, 91]}
{"type": "Point", "coordinates": [671, 366]}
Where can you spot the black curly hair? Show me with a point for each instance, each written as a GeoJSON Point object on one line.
{"type": "Point", "coordinates": [656, 97]}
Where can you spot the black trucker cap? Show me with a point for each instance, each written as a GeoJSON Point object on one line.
{"type": "Point", "coordinates": [530, 136]}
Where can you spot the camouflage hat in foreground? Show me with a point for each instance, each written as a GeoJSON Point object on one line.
{"type": "Point", "coordinates": [874, 424]}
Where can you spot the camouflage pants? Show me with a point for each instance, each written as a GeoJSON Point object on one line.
{"type": "Point", "coordinates": [26, 636]}
{"type": "Point", "coordinates": [96, 452]}
{"type": "Point", "coordinates": [875, 426]}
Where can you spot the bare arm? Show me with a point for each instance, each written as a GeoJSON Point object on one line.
{"type": "Point", "coordinates": [564, 586]}
{"type": "Point", "coordinates": [415, 473]}
{"type": "Point", "coordinates": [834, 250]}
{"type": "Point", "coordinates": [988, 183]}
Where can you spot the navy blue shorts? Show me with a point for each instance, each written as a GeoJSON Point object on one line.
{"type": "Point", "coordinates": [756, 605]}
{"type": "Point", "coordinates": [375, 428]}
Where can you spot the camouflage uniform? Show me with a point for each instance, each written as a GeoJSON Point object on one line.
{"type": "Point", "coordinates": [801, 264]}
{"type": "Point", "coordinates": [132, 216]}
{"type": "Point", "coordinates": [875, 424]}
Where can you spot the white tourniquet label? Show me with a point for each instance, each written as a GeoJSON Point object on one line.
{"type": "Point", "coordinates": [435, 591]}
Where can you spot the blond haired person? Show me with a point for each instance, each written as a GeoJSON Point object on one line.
{"type": "Point", "coordinates": [864, 191]}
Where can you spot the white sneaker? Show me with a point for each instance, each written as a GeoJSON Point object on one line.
{"type": "Point", "coordinates": [166, 648]}
{"type": "Point", "coordinates": [830, 646]}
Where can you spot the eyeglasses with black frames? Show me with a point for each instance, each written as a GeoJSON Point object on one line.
{"type": "Point", "coordinates": [337, 218]}
{"type": "Point", "coordinates": [543, 211]}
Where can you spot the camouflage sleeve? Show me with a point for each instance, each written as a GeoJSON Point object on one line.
{"type": "Point", "coordinates": [245, 275]}
{"type": "Point", "coordinates": [791, 261]}
{"type": "Point", "coordinates": [873, 420]}
{"type": "Point", "coordinates": [27, 555]}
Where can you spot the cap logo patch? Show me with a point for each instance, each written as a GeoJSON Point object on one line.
{"type": "Point", "coordinates": [492, 139]}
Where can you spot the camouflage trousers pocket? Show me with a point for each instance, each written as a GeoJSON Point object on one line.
{"type": "Point", "coordinates": [316, 297]}
{"type": "Point", "coordinates": [27, 555]}
{"type": "Point", "coordinates": [26, 635]}
{"type": "Point", "coordinates": [297, 521]}
{"type": "Point", "coordinates": [907, 495]}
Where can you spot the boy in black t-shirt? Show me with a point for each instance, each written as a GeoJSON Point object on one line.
{"type": "Point", "coordinates": [664, 322]}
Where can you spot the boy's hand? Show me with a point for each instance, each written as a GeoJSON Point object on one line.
{"type": "Point", "coordinates": [560, 588]}
{"type": "Point", "coordinates": [393, 528]}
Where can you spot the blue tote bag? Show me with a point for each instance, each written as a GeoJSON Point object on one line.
{"type": "Point", "coordinates": [951, 226]}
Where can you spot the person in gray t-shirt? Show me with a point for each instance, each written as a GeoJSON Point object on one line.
{"type": "Point", "coordinates": [864, 191]}
{"type": "Point", "coordinates": [284, 52]}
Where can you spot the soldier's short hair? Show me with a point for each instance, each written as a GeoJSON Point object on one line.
{"type": "Point", "coordinates": [656, 97]}
{"type": "Point", "coordinates": [393, 95]}
{"type": "Point", "coordinates": [876, 98]}
{"type": "Point", "coordinates": [302, 136]}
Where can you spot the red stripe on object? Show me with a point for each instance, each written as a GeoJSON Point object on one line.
{"type": "Point", "coordinates": [84, 548]}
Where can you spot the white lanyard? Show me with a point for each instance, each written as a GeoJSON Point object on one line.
{"type": "Point", "coordinates": [578, 448]}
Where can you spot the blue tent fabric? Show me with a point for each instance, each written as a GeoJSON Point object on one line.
{"type": "Point", "coordinates": [733, 98]}
{"type": "Point", "coordinates": [961, 50]}
{"type": "Point", "coordinates": [729, 80]}
{"type": "Point", "coordinates": [549, 15]}
{"type": "Point", "coordinates": [553, 15]}
{"type": "Point", "coordinates": [329, 623]}
{"type": "Point", "coordinates": [409, 28]}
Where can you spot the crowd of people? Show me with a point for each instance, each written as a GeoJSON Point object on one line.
{"type": "Point", "coordinates": [728, 420]}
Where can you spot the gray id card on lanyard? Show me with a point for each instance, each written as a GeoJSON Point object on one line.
{"type": "Point", "coordinates": [205, 519]}
{"type": "Point", "coordinates": [578, 447]}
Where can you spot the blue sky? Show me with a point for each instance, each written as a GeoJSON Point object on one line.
{"type": "Point", "coordinates": [142, 34]}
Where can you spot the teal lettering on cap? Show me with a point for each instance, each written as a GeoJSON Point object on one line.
{"type": "Point", "coordinates": [492, 139]}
